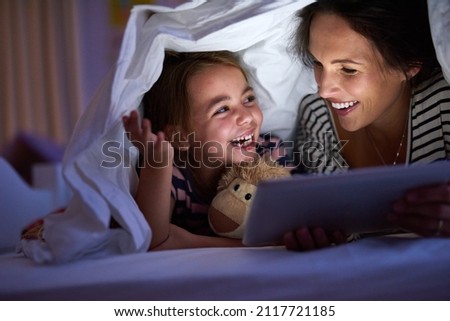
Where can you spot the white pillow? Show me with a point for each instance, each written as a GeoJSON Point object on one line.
{"type": "Point", "coordinates": [439, 13]}
{"type": "Point", "coordinates": [20, 204]}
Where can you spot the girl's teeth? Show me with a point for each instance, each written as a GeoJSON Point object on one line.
{"type": "Point", "coordinates": [243, 140]}
{"type": "Point", "coordinates": [343, 105]}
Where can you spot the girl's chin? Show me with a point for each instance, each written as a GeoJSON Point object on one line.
{"type": "Point", "coordinates": [244, 155]}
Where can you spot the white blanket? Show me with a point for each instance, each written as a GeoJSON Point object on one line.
{"type": "Point", "coordinates": [98, 164]}
{"type": "Point", "coordinates": [439, 13]}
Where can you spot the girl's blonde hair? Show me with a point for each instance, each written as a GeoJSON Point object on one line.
{"type": "Point", "coordinates": [167, 102]}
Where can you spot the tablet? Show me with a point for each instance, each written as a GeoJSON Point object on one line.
{"type": "Point", "coordinates": [356, 201]}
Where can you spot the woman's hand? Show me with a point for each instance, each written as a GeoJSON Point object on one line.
{"type": "Point", "coordinates": [156, 150]}
{"type": "Point", "coordinates": [424, 211]}
{"type": "Point", "coordinates": [307, 239]}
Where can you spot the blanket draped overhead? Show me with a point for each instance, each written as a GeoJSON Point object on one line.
{"type": "Point", "coordinates": [99, 161]}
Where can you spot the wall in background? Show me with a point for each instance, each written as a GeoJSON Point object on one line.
{"type": "Point", "coordinates": [54, 54]}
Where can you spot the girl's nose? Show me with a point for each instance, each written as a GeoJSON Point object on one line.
{"type": "Point", "coordinates": [244, 116]}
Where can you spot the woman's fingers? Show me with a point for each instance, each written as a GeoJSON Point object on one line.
{"type": "Point", "coordinates": [424, 211]}
{"type": "Point", "coordinates": [304, 239]}
{"type": "Point", "coordinates": [427, 194]}
{"type": "Point", "coordinates": [423, 225]}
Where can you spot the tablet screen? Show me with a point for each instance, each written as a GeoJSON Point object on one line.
{"type": "Point", "coordinates": [356, 201]}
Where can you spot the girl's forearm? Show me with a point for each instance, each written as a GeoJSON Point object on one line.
{"type": "Point", "coordinates": [154, 200]}
{"type": "Point", "coordinates": [180, 238]}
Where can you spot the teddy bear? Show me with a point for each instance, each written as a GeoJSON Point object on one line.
{"type": "Point", "coordinates": [236, 191]}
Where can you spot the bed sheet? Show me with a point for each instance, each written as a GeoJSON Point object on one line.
{"type": "Point", "coordinates": [386, 268]}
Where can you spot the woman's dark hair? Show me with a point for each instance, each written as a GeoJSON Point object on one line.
{"type": "Point", "coordinates": [398, 29]}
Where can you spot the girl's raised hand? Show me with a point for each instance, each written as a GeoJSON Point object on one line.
{"type": "Point", "coordinates": [154, 148]}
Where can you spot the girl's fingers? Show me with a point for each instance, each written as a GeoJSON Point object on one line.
{"type": "Point", "coordinates": [131, 124]}
{"type": "Point", "coordinates": [146, 129]}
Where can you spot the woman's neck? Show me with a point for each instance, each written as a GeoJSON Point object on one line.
{"type": "Point", "coordinates": [390, 127]}
{"type": "Point", "coordinates": [383, 142]}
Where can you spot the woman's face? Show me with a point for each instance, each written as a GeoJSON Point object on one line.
{"type": "Point", "coordinates": [226, 117]}
{"type": "Point", "coordinates": [351, 74]}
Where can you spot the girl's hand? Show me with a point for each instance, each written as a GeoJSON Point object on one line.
{"type": "Point", "coordinates": [424, 211]}
{"type": "Point", "coordinates": [306, 239]}
{"type": "Point", "coordinates": [155, 149]}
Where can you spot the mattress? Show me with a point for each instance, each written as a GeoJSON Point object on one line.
{"type": "Point", "coordinates": [384, 268]}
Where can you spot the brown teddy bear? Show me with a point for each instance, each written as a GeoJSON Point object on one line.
{"type": "Point", "coordinates": [236, 191]}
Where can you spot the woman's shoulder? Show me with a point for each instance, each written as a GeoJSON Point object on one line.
{"type": "Point", "coordinates": [312, 101]}
{"type": "Point", "coordinates": [432, 91]}
{"type": "Point", "coordinates": [313, 113]}
{"type": "Point", "coordinates": [312, 105]}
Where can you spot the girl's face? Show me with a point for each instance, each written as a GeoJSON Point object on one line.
{"type": "Point", "coordinates": [351, 74]}
{"type": "Point", "coordinates": [226, 117]}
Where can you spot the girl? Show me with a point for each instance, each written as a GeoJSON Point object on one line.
{"type": "Point", "coordinates": [199, 117]}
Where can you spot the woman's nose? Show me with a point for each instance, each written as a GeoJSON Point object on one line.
{"type": "Point", "coordinates": [327, 84]}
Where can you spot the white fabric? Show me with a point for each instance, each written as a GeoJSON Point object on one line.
{"type": "Point", "coordinates": [259, 31]}
{"type": "Point", "coordinates": [386, 268]}
{"type": "Point", "coordinates": [439, 12]}
{"type": "Point", "coordinates": [20, 204]}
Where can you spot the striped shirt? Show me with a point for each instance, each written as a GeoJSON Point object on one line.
{"type": "Point", "coordinates": [191, 211]}
{"type": "Point", "coordinates": [317, 148]}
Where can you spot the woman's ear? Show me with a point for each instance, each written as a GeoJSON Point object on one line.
{"type": "Point", "coordinates": [413, 71]}
{"type": "Point", "coordinates": [176, 137]}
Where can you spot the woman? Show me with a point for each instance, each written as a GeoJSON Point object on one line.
{"type": "Point", "coordinates": [381, 100]}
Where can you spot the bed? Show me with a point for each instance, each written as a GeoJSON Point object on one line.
{"type": "Point", "coordinates": [386, 268]}
{"type": "Point", "coordinates": [83, 259]}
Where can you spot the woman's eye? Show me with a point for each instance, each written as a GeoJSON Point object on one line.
{"type": "Point", "coordinates": [317, 64]}
{"type": "Point", "coordinates": [349, 71]}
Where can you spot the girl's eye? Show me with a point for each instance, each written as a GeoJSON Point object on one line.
{"type": "Point", "coordinates": [250, 99]}
{"type": "Point", "coordinates": [221, 110]}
